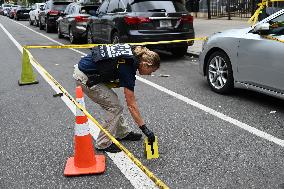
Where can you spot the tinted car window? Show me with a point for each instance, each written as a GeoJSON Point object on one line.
{"type": "Point", "coordinates": [89, 9]}
{"type": "Point", "coordinates": [277, 25]}
{"type": "Point", "coordinates": [122, 5]}
{"type": "Point", "coordinates": [73, 10]}
{"type": "Point", "coordinates": [60, 6]}
{"type": "Point", "coordinates": [157, 5]}
{"type": "Point", "coordinates": [103, 7]}
{"type": "Point", "coordinates": [66, 11]}
{"type": "Point", "coordinates": [113, 6]}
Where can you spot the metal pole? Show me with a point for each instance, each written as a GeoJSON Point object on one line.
{"type": "Point", "coordinates": [209, 9]}
{"type": "Point", "coordinates": [229, 10]}
{"type": "Point", "coordinates": [253, 7]}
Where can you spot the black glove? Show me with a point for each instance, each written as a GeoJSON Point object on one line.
{"type": "Point", "coordinates": [148, 133]}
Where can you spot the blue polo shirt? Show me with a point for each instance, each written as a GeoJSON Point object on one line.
{"type": "Point", "coordinates": [126, 73]}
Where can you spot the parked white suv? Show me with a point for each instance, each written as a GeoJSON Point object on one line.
{"type": "Point", "coordinates": [34, 13]}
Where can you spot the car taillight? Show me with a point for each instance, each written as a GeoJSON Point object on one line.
{"type": "Point", "coordinates": [53, 12]}
{"type": "Point", "coordinates": [136, 20]}
{"type": "Point", "coordinates": [187, 19]}
{"type": "Point", "coordinates": [81, 19]}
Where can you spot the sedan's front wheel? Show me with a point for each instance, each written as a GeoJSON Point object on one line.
{"type": "Point", "coordinates": [31, 22]}
{"type": "Point", "coordinates": [115, 38]}
{"type": "Point", "coordinates": [59, 32]}
{"type": "Point", "coordinates": [89, 37]}
{"type": "Point", "coordinates": [219, 73]}
{"type": "Point", "coordinates": [72, 37]}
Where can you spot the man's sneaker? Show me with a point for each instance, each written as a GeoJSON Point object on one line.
{"type": "Point", "coordinates": [112, 149]}
{"type": "Point", "coordinates": [131, 136]}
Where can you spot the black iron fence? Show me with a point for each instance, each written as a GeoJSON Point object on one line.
{"type": "Point", "coordinates": [232, 8]}
{"type": "Point", "coordinates": [223, 8]}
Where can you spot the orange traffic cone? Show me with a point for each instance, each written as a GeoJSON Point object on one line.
{"type": "Point", "coordinates": [84, 161]}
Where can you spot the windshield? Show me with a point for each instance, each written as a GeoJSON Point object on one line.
{"type": "Point", "coordinates": [277, 25]}
{"type": "Point", "coordinates": [60, 6]}
{"type": "Point", "coordinates": [157, 6]}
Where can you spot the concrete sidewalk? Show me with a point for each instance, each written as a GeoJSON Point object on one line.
{"type": "Point", "coordinates": [205, 27]}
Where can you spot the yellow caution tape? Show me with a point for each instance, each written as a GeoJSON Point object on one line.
{"type": "Point", "coordinates": [272, 38]}
{"type": "Point", "coordinates": [255, 16]}
{"type": "Point", "coordinates": [261, 5]}
{"type": "Point", "coordinates": [94, 45]}
{"type": "Point", "coordinates": [157, 181]}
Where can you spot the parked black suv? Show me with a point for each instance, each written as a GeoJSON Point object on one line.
{"type": "Point", "coordinates": [73, 22]}
{"type": "Point", "coordinates": [50, 13]}
{"type": "Point", "coordinates": [22, 13]}
{"type": "Point", "coordinates": [141, 21]}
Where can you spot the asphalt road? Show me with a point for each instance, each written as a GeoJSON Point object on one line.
{"type": "Point", "coordinates": [197, 149]}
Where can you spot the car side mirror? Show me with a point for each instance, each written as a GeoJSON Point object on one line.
{"type": "Point", "coordinates": [262, 28]}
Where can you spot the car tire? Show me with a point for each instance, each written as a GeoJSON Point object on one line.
{"type": "Point", "coordinates": [36, 23]}
{"type": "Point", "coordinates": [179, 51]}
{"type": "Point", "coordinates": [72, 38]}
{"type": "Point", "coordinates": [41, 27]}
{"type": "Point", "coordinates": [60, 36]}
{"type": "Point", "coordinates": [31, 22]}
{"type": "Point", "coordinates": [219, 73]}
{"type": "Point", "coordinates": [89, 36]}
{"type": "Point", "coordinates": [47, 28]}
{"type": "Point", "coordinates": [115, 38]}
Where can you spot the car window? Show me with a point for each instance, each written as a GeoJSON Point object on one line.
{"type": "Point", "coordinates": [277, 25]}
{"type": "Point", "coordinates": [103, 7]}
{"type": "Point", "coordinates": [113, 6]}
{"type": "Point", "coordinates": [73, 10]}
{"type": "Point", "coordinates": [89, 9]}
{"type": "Point", "coordinates": [48, 5]}
{"type": "Point", "coordinates": [122, 5]}
{"type": "Point", "coordinates": [66, 11]}
{"type": "Point", "coordinates": [157, 5]}
{"type": "Point", "coordinates": [60, 6]}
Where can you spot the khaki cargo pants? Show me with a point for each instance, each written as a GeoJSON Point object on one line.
{"type": "Point", "coordinates": [108, 100]}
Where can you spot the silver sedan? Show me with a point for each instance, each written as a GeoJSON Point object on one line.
{"type": "Point", "coordinates": [251, 58]}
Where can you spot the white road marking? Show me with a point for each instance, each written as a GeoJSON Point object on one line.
{"type": "Point", "coordinates": [133, 173]}
{"type": "Point", "coordinates": [233, 121]}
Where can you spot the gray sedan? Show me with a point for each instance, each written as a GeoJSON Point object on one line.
{"type": "Point", "coordinates": [251, 58]}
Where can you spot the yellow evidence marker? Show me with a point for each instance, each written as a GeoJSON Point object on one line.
{"type": "Point", "coordinates": [151, 149]}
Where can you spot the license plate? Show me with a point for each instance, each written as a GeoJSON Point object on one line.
{"type": "Point", "coordinates": [165, 23]}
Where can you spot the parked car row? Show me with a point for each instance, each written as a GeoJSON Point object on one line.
{"type": "Point", "coordinates": [16, 12]}
{"type": "Point", "coordinates": [116, 21]}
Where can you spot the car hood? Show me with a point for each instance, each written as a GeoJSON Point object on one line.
{"type": "Point", "coordinates": [231, 33]}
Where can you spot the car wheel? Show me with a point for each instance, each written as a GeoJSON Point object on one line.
{"type": "Point", "coordinates": [89, 37]}
{"type": "Point", "coordinates": [219, 73]}
{"type": "Point", "coordinates": [41, 27]}
{"type": "Point", "coordinates": [71, 36]}
{"type": "Point", "coordinates": [59, 32]}
{"type": "Point", "coordinates": [36, 23]}
{"type": "Point", "coordinates": [115, 38]}
{"type": "Point", "coordinates": [47, 28]}
{"type": "Point", "coordinates": [179, 51]}
{"type": "Point", "coordinates": [31, 22]}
